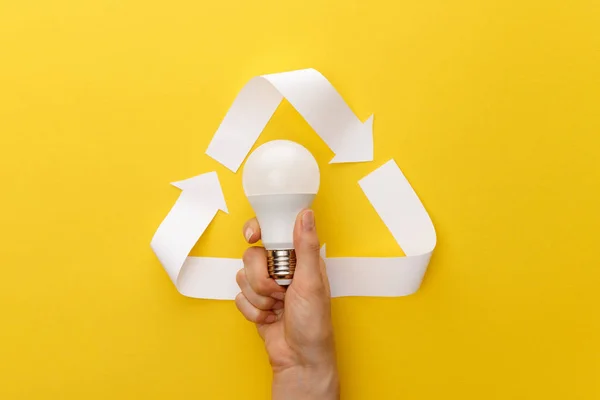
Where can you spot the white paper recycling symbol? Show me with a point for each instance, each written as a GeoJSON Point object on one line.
{"type": "Point", "coordinates": [395, 201]}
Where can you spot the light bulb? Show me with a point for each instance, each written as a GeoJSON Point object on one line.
{"type": "Point", "coordinates": [280, 179]}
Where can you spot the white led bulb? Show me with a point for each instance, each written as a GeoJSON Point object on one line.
{"type": "Point", "coordinates": [280, 179]}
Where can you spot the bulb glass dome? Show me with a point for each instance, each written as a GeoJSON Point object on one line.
{"type": "Point", "coordinates": [281, 167]}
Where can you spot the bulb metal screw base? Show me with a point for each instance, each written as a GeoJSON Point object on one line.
{"type": "Point", "coordinates": [281, 265]}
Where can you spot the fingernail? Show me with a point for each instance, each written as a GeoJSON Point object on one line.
{"type": "Point", "coordinates": [308, 221]}
{"type": "Point", "coordinates": [278, 305]}
{"type": "Point", "coordinates": [270, 318]}
{"type": "Point", "coordinates": [278, 295]}
{"type": "Point", "coordinates": [248, 234]}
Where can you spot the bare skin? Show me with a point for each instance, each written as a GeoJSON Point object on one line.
{"type": "Point", "coordinates": [295, 324]}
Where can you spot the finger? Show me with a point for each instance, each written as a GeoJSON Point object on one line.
{"type": "Point", "coordinates": [258, 301]}
{"type": "Point", "coordinates": [307, 245]}
{"type": "Point", "coordinates": [255, 264]}
{"type": "Point", "coordinates": [252, 313]}
{"type": "Point", "coordinates": [251, 231]}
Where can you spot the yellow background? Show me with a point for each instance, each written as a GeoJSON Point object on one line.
{"type": "Point", "coordinates": [491, 109]}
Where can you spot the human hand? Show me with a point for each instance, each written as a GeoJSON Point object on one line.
{"type": "Point", "coordinates": [295, 324]}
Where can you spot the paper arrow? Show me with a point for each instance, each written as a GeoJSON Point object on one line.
{"type": "Point", "coordinates": [402, 212]}
{"type": "Point", "coordinates": [313, 96]}
{"type": "Point", "coordinates": [387, 189]}
{"type": "Point", "coordinates": [200, 200]}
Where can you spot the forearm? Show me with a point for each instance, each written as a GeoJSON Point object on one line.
{"type": "Point", "coordinates": [306, 383]}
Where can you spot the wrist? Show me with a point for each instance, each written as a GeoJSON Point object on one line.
{"type": "Point", "coordinates": [306, 382]}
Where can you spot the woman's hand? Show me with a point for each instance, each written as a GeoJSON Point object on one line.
{"type": "Point", "coordinates": [295, 324]}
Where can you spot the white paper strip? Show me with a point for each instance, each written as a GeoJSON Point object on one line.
{"type": "Point", "coordinates": [209, 278]}
{"type": "Point", "coordinates": [400, 209]}
{"type": "Point", "coordinates": [377, 277]}
{"type": "Point", "coordinates": [312, 96]}
{"type": "Point", "coordinates": [197, 205]}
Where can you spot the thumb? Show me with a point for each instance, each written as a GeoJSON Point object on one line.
{"type": "Point", "coordinates": [307, 245]}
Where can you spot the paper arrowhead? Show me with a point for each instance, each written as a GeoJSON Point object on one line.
{"type": "Point", "coordinates": [208, 185]}
{"type": "Point", "coordinates": [358, 146]}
